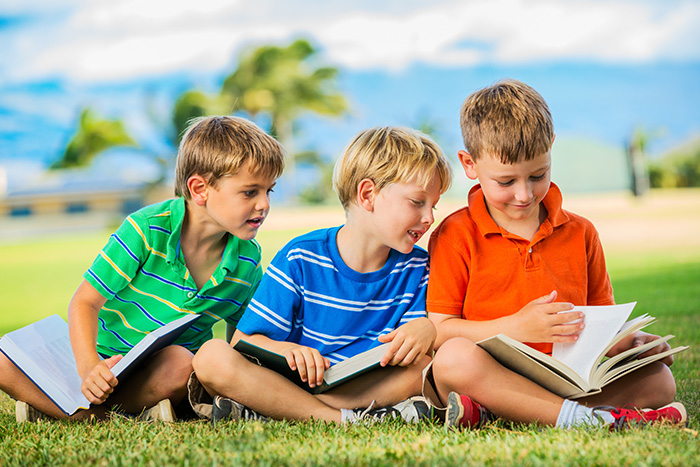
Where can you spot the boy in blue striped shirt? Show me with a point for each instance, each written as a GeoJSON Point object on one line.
{"type": "Point", "coordinates": [334, 293]}
{"type": "Point", "coordinates": [194, 254]}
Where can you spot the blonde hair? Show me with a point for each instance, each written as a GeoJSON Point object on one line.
{"type": "Point", "coordinates": [508, 120]}
{"type": "Point", "coordinates": [389, 155]}
{"type": "Point", "coordinates": [220, 145]}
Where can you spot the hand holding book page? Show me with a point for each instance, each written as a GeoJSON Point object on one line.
{"type": "Point", "coordinates": [601, 326]}
{"type": "Point", "coordinates": [581, 368]}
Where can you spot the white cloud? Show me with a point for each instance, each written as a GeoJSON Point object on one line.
{"type": "Point", "coordinates": [116, 39]}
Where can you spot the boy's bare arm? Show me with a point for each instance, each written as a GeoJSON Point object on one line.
{"type": "Point", "coordinates": [541, 320]}
{"type": "Point", "coordinates": [306, 360]}
{"type": "Point", "coordinates": [408, 342]}
{"type": "Point", "coordinates": [98, 382]}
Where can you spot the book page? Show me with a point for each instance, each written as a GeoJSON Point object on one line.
{"type": "Point", "coordinates": [602, 324]}
{"type": "Point", "coordinates": [362, 361]}
{"type": "Point", "coordinates": [43, 352]}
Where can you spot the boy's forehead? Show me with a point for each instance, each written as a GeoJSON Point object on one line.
{"type": "Point", "coordinates": [497, 158]}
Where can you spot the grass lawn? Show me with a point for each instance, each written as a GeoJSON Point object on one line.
{"type": "Point", "coordinates": [37, 278]}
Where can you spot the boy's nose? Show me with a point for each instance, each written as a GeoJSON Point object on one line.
{"type": "Point", "coordinates": [428, 217]}
{"type": "Point", "coordinates": [263, 203]}
{"type": "Point", "coordinates": [523, 192]}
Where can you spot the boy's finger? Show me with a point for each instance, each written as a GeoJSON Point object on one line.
{"type": "Point", "coordinates": [320, 368]}
{"type": "Point", "coordinates": [300, 363]}
{"type": "Point", "coordinates": [388, 356]}
{"type": "Point", "coordinates": [569, 329]}
{"type": "Point", "coordinates": [400, 354]}
{"type": "Point", "coordinates": [384, 338]}
{"type": "Point", "coordinates": [568, 317]}
{"type": "Point", "coordinates": [310, 364]}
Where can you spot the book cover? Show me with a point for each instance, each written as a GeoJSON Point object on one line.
{"type": "Point", "coordinates": [336, 375]}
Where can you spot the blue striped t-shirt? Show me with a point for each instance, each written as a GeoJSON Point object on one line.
{"type": "Point", "coordinates": [309, 296]}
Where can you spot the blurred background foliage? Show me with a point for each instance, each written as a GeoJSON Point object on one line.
{"type": "Point", "coordinates": [93, 135]}
{"type": "Point", "coordinates": [276, 85]}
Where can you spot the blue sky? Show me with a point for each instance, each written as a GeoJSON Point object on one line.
{"type": "Point", "coordinates": [605, 66]}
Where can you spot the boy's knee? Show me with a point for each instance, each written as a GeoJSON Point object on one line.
{"type": "Point", "coordinates": [456, 358]}
{"type": "Point", "coordinates": [664, 386]}
{"type": "Point", "coordinates": [178, 359]}
{"type": "Point", "coordinates": [214, 359]}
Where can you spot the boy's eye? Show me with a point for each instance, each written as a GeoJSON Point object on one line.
{"type": "Point", "coordinates": [538, 177]}
{"type": "Point", "coordinates": [250, 193]}
{"type": "Point", "coordinates": [508, 183]}
{"type": "Point", "coordinates": [417, 202]}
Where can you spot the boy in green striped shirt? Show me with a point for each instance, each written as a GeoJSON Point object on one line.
{"type": "Point", "coordinates": [192, 254]}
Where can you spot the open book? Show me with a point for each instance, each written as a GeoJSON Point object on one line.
{"type": "Point", "coordinates": [337, 374]}
{"type": "Point", "coordinates": [43, 352]}
{"type": "Point", "coordinates": [581, 368]}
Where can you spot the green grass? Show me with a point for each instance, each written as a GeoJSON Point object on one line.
{"type": "Point", "coordinates": [666, 284]}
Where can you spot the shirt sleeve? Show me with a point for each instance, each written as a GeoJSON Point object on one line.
{"type": "Point", "coordinates": [600, 291]}
{"type": "Point", "coordinates": [449, 276]}
{"type": "Point", "coordinates": [235, 318]}
{"type": "Point", "coordinates": [417, 308]}
{"type": "Point", "coordinates": [273, 307]}
{"type": "Point", "coordinates": [120, 259]}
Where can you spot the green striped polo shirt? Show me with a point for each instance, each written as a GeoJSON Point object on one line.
{"type": "Point", "coordinates": [142, 274]}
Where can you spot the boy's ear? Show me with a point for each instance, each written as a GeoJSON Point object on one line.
{"type": "Point", "coordinates": [198, 187]}
{"type": "Point", "coordinates": [468, 164]}
{"type": "Point", "coordinates": [366, 191]}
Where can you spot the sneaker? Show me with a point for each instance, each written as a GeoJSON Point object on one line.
{"type": "Point", "coordinates": [161, 412]}
{"type": "Point", "coordinates": [26, 413]}
{"type": "Point", "coordinates": [671, 414]}
{"type": "Point", "coordinates": [462, 412]}
{"type": "Point", "coordinates": [225, 408]}
{"type": "Point", "coordinates": [412, 410]}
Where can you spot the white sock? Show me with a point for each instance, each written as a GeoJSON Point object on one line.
{"type": "Point", "coordinates": [348, 416]}
{"type": "Point", "coordinates": [574, 414]}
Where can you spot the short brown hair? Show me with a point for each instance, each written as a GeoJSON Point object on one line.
{"type": "Point", "coordinates": [389, 155]}
{"type": "Point", "coordinates": [219, 145]}
{"type": "Point", "coordinates": [508, 120]}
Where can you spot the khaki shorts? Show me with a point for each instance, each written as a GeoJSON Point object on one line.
{"type": "Point", "coordinates": [199, 398]}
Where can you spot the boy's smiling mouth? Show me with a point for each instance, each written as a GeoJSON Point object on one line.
{"type": "Point", "coordinates": [416, 234]}
{"type": "Point", "coordinates": [255, 221]}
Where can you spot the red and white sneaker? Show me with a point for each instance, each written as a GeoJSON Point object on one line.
{"type": "Point", "coordinates": [671, 414]}
{"type": "Point", "coordinates": [462, 412]}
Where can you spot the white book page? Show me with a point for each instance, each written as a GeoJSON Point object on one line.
{"type": "Point", "coordinates": [45, 355]}
{"type": "Point", "coordinates": [601, 325]}
{"type": "Point", "coordinates": [347, 367]}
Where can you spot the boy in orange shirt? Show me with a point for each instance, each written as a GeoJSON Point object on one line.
{"type": "Point", "coordinates": [515, 248]}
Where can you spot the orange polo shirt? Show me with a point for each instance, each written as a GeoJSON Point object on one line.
{"type": "Point", "coordinates": [480, 271]}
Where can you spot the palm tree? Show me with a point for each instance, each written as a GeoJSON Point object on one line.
{"type": "Point", "coordinates": [283, 82]}
{"type": "Point", "coordinates": [280, 83]}
{"type": "Point", "coordinates": [94, 135]}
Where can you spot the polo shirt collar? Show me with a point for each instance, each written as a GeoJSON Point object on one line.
{"type": "Point", "coordinates": [229, 259]}
{"type": "Point", "coordinates": [177, 216]}
{"type": "Point", "coordinates": [480, 213]}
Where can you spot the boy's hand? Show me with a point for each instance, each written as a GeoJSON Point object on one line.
{"type": "Point", "coordinates": [544, 320]}
{"type": "Point", "coordinates": [408, 342]}
{"type": "Point", "coordinates": [99, 383]}
{"type": "Point", "coordinates": [640, 338]}
{"type": "Point", "coordinates": [309, 362]}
